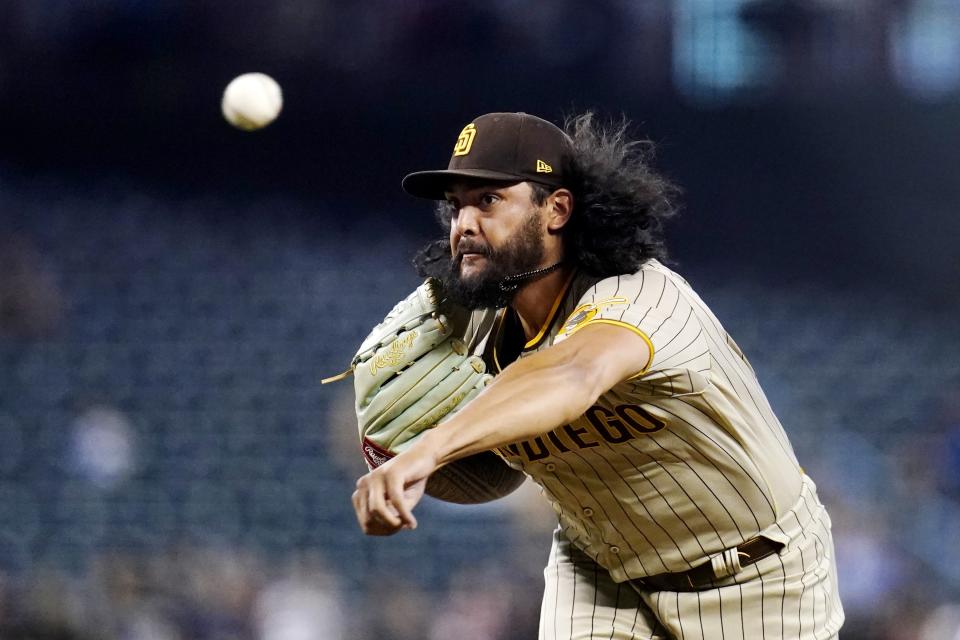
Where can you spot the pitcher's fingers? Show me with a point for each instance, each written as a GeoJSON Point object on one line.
{"type": "Point", "coordinates": [395, 493]}
{"type": "Point", "coordinates": [377, 504]}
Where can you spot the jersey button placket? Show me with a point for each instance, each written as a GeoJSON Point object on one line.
{"type": "Point", "coordinates": [615, 550]}
{"type": "Point", "coordinates": [550, 467]}
{"type": "Point", "coordinates": [587, 512]}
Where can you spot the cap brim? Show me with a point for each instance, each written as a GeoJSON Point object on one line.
{"type": "Point", "coordinates": [433, 184]}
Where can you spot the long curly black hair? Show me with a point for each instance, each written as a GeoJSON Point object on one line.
{"type": "Point", "coordinates": [620, 202]}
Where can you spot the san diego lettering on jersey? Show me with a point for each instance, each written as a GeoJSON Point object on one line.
{"type": "Point", "coordinates": [622, 423]}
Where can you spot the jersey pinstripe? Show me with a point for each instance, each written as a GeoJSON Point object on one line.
{"type": "Point", "coordinates": [674, 465]}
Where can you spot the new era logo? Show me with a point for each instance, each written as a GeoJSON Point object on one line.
{"type": "Point", "coordinates": [543, 167]}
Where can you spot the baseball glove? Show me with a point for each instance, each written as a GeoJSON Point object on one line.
{"type": "Point", "coordinates": [412, 371]}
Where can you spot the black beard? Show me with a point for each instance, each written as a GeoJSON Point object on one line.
{"type": "Point", "coordinates": [523, 252]}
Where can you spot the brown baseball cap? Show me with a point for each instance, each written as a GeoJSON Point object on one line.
{"type": "Point", "coordinates": [500, 147]}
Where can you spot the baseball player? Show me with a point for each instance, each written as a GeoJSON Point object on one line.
{"type": "Point", "coordinates": [683, 512]}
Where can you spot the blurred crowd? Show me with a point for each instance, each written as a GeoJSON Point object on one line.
{"type": "Point", "coordinates": [228, 594]}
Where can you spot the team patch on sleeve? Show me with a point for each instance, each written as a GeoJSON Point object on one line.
{"type": "Point", "coordinates": [585, 313]}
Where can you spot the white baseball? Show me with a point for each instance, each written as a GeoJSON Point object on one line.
{"type": "Point", "coordinates": [251, 101]}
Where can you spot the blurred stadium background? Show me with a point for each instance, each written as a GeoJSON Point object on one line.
{"type": "Point", "coordinates": [172, 290]}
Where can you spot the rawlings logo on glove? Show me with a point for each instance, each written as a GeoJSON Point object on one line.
{"type": "Point", "coordinates": [394, 355]}
{"type": "Point", "coordinates": [374, 455]}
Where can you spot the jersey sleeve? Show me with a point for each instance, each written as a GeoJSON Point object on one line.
{"type": "Point", "coordinates": [650, 304]}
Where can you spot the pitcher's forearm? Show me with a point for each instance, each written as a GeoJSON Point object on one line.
{"type": "Point", "coordinates": [540, 392]}
{"type": "Point", "coordinates": [528, 399]}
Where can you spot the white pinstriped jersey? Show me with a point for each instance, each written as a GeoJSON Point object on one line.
{"type": "Point", "coordinates": [678, 463]}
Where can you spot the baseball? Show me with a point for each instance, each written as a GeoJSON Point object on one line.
{"type": "Point", "coordinates": [251, 101]}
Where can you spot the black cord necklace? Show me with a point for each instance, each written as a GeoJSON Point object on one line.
{"type": "Point", "coordinates": [512, 283]}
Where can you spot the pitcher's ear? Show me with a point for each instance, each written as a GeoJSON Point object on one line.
{"type": "Point", "coordinates": [560, 205]}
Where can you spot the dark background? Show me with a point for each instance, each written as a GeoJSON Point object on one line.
{"type": "Point", "coordinates": [171, 288]}
{"type": "Point", "coordinates": [836, 148]}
